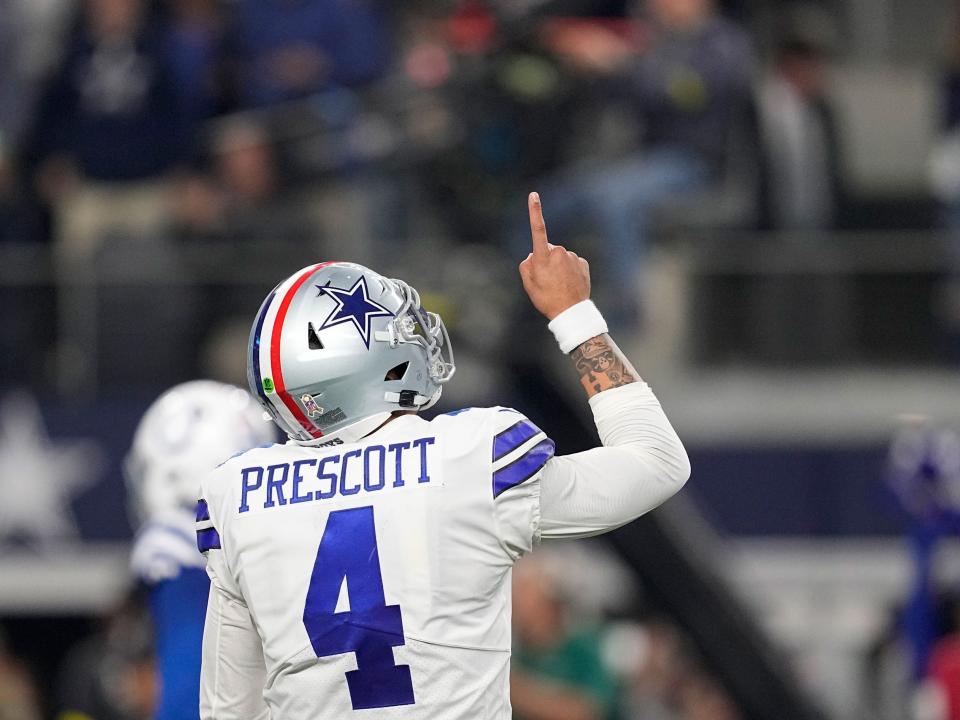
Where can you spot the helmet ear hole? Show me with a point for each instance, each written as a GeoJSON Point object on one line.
{"type": "Point", "coordinates": [397, 372]}
{"type": "Point", "coordinates": [313, 341]}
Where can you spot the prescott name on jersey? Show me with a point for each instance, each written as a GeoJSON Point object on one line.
{"type": "Point", "coordinates": [349, 472]}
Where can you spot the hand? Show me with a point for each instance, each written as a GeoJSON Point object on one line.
{"type": "Point", "coordinates": [554, 277]}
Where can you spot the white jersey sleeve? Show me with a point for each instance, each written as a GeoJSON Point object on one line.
{"type": "Point", "coordinates": [642, 463]}
{"type": "Point", "coordinates": [232, 673]}
{"type": "Point", "coordinates": [519, 451]}
{"type": "Point", "coordinates": [536, 495]}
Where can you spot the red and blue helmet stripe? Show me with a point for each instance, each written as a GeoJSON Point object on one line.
{"type": "Point", "coordinates": [265, 353]}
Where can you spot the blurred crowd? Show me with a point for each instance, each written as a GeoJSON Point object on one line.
{"type": "Point", "coordinates": [108, 673]}
{"type": "Point", "coordinates": [575, 659]}
{"type": "Point", "coordinates": [191, 139]}
{"type": "Point", "coordinates": [111, 108]}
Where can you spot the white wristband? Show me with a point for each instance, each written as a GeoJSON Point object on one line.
{"type": "Point", "coordinates": [577, 324]}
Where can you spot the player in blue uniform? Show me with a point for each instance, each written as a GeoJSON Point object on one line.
{"type": "Point", "coordinates": [184, 435]}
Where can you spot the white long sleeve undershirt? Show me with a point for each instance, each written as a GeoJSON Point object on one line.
{"type": "Point", "coordinates": [232, 673]}
{"type": "Point", "coordinates": [642, 463]}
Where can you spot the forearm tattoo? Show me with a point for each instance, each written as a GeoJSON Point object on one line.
{"type": "Point", "coordinates": [601, 365]}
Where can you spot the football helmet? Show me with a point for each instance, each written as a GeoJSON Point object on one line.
{"type": "Point", "coordinates": [186, 433]}
{"type": "Point", "coordinates": [336, 348]}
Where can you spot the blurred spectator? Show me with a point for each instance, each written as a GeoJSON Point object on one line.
{"type": "Point", "coordinates": [16, 92]}
{"type": "Point", "coordinates": [944, 165]}
{"type": "Point", "coordinates": [664, 680]}
{"type": "Point", "coordinates": [951, 77]}
{"type": "Point", "coordinates": [11, 76]}
{"type": "Point", "coordinates": [688, 76]}
{"type": "Point", "coordinates": [945, 158]}
{"type": "Point", "coordinates": [24, 306]}
{"type": "Point", "coordinates": [936, 696]}
{"type": "Point", "coordinates": [194, 41]}
{"type": "Point", "coordinates": [14, 213]}
{"type": "Point", "coordinates": [944, 169]}
{"type": "Point", "coordinates": [945, 675]}
{"type": "Point", "coordinates": [110, 676]}
{"type": "Point", "coordinates": [18, 694]}
{"type": "Point", "coordinates": [800, 188]}
{"type": "Point", "coordinates": [42, 28]}
{"type": "Point", "coordinates": [30, 41]}
{"type": "Point", "coordinates": [246, 204]}
{"type": "Point", "coordinates": [798, 126]}
{"type": "Point", "coordinates": [558, 672]}
{"type": "Point", "coordinates": [703, 699]}
{"type": "Point", "coordinates": [290, 49]}
{"type": "Point", "coordinates": [246, 199]}
{"type": "Point", "coordinates": [109, 126]}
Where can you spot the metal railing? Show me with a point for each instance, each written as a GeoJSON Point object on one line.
{"type": "Point", "coordinates": [747, 289]}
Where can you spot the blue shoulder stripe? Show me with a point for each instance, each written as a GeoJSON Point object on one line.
{"type": "Point", "coordinates": [208, 539]}
{"type": "Point", "coordinates": [203, 511]}
{"type": "Point", "coordinates": [523, 468]}
{"type": "Point", "coordinates": [513, 437]}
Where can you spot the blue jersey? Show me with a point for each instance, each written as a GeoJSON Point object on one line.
{"type": "Point", "coordinates": [166, 560]}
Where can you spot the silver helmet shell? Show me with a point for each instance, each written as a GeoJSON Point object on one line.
{"type": "Point", "coordinates": [186, 433]}
{"type": "Point", "coordinates": [337, 347]}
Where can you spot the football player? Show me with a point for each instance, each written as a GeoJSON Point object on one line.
{"type": "Point", "coordinates": [362, 570]}
{"type": "Point", "coordinates": [182, 437]}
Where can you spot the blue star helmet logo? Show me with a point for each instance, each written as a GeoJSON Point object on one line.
{"type": "Point", "coordinates": [353, 306]}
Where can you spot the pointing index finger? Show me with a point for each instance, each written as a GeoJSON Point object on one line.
{"type": "Point", "coordinates": [538, 229]}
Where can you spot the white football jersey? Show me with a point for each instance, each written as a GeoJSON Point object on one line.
{"type": "Point", "coordinates": [377, 573]}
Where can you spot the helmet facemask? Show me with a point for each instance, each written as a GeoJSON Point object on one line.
{"type": "Point", "coordinates": [412, 324]}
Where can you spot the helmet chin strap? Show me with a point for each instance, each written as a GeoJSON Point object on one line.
{"type": "Point", "coordinates": [413, 401]}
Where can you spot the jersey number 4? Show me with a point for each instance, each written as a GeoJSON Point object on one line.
{"type": "Point", "coordinates": [371, 628]}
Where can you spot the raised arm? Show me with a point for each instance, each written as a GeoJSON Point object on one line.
{"type": "Point", "coordinates": [557, 281]}
{"type": "Point", "coordinates": [642, 462]}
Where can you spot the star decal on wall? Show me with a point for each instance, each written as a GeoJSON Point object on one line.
{"type": "Point", "coordinates": [353, 306]}
{"type": "Point", "coordinates": [39, 476]}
